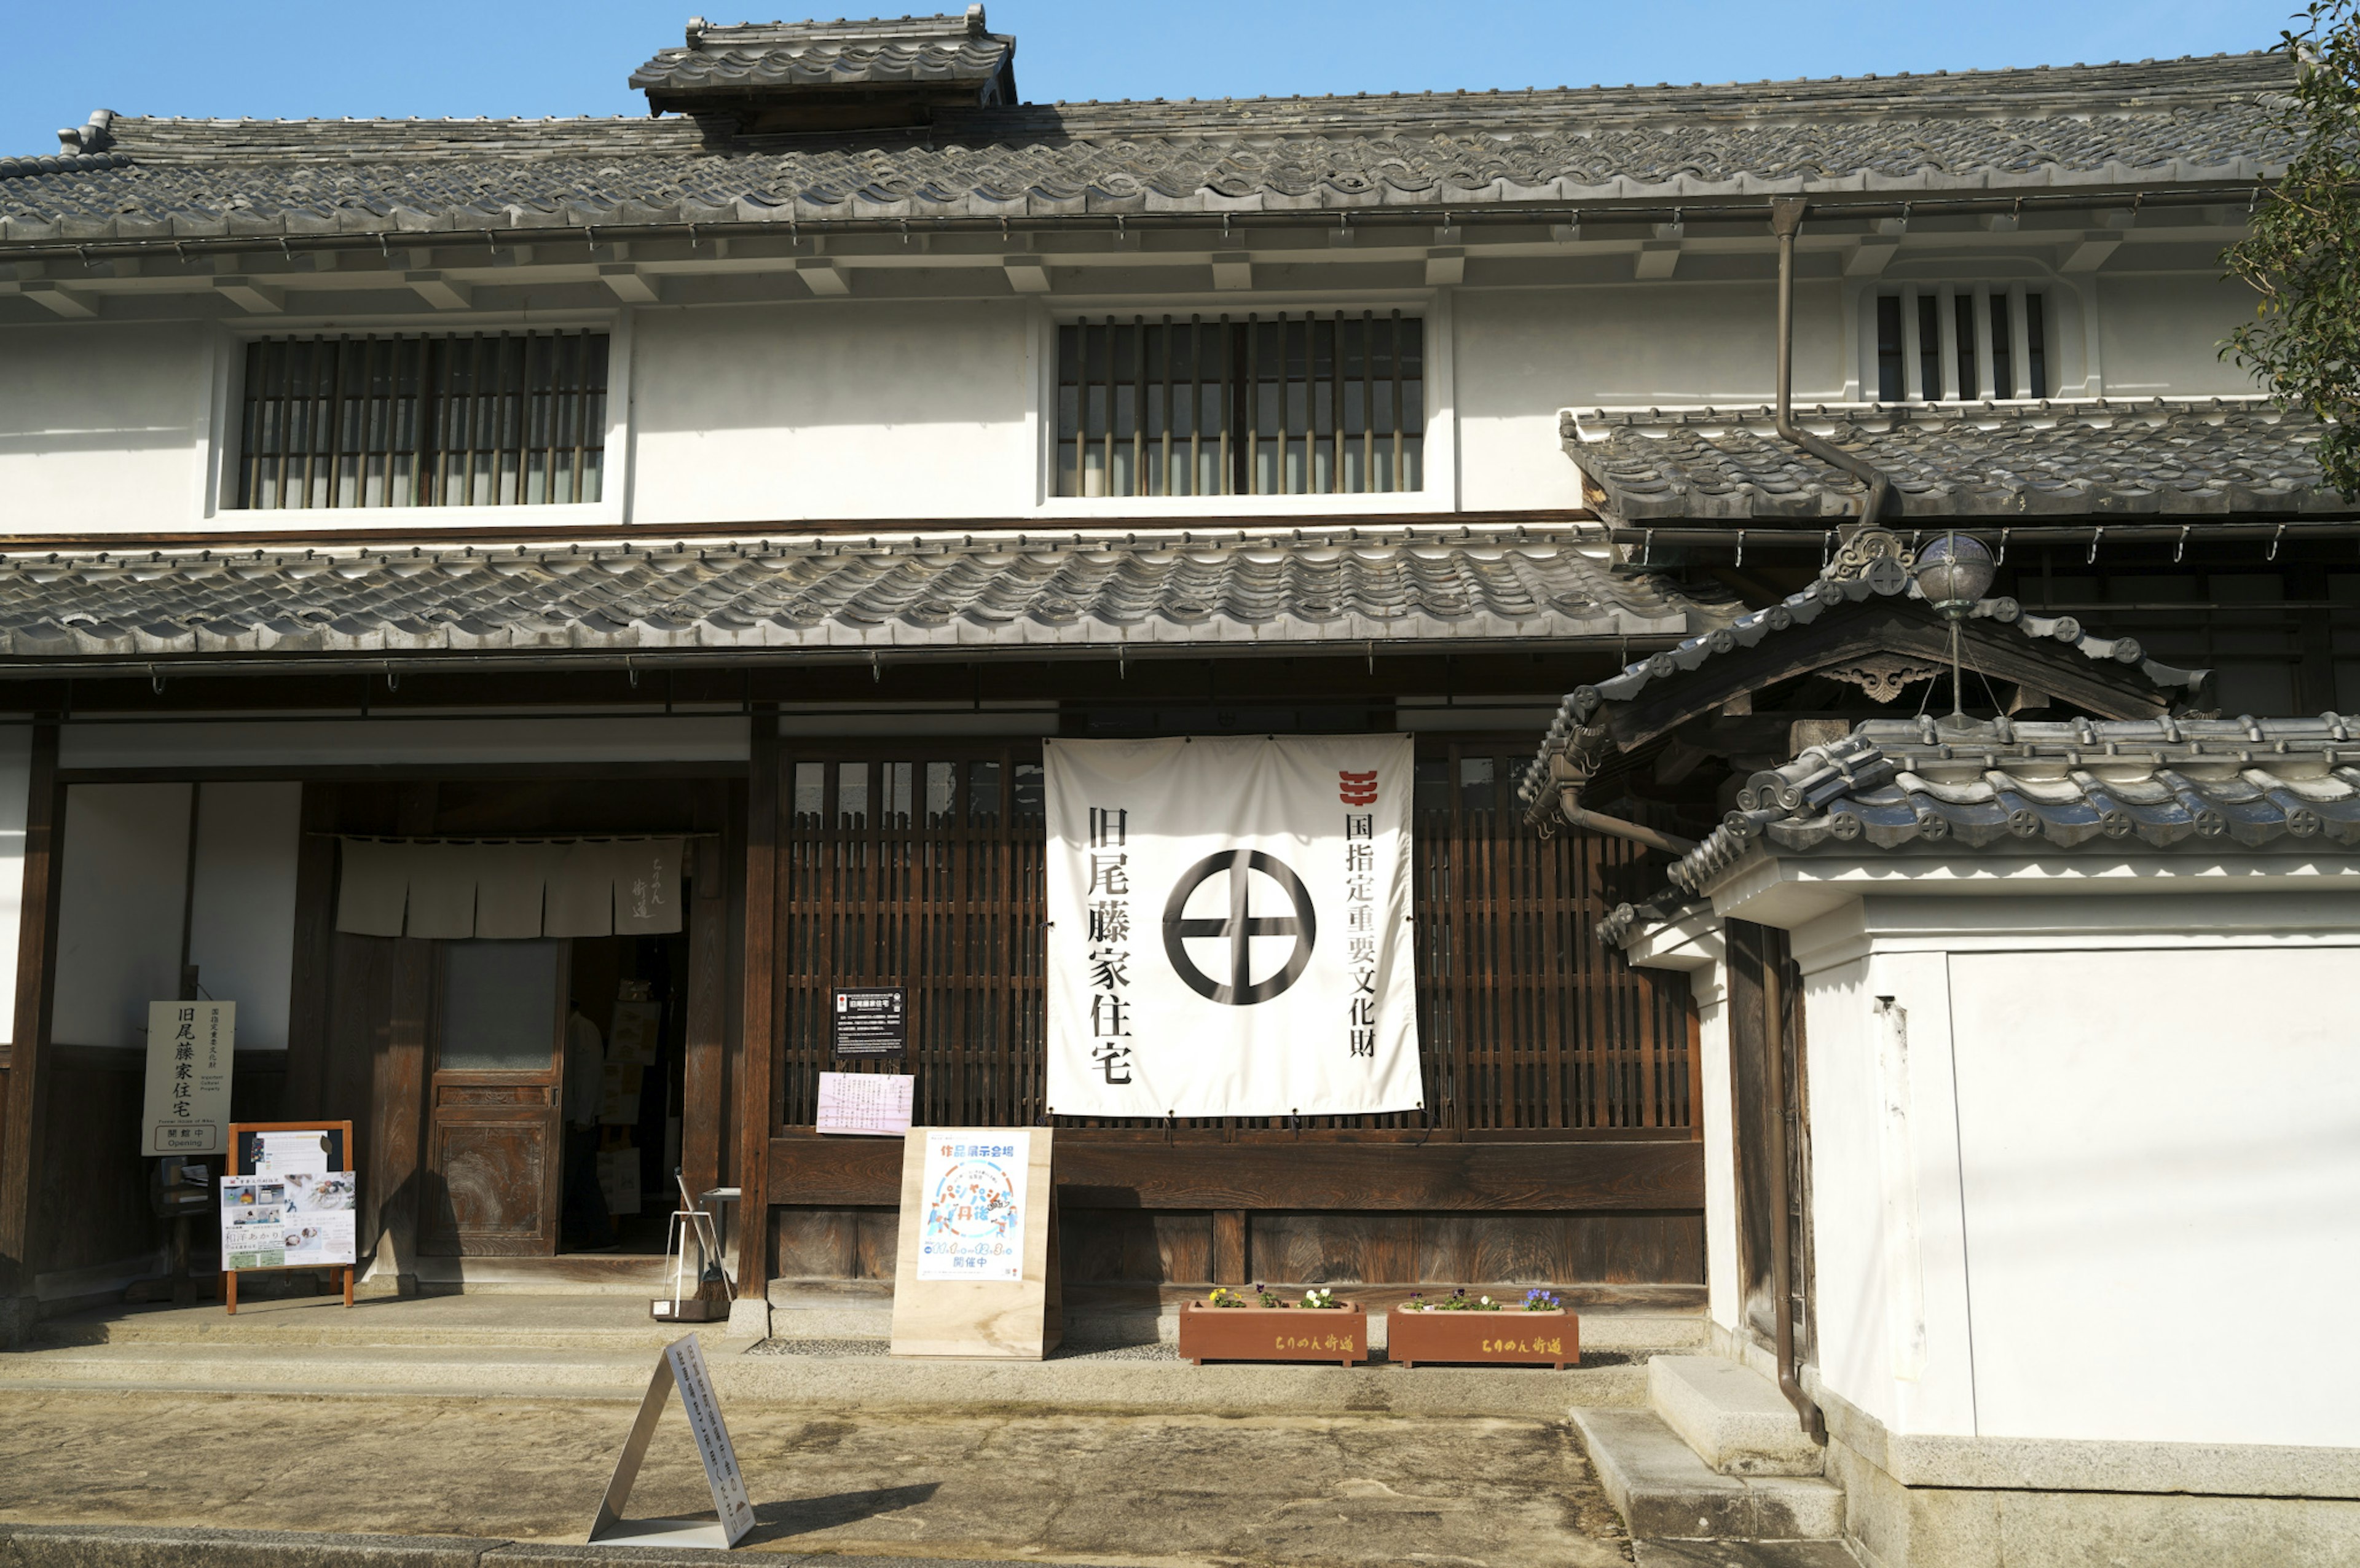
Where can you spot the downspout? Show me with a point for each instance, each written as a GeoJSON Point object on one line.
{"type": "Point", "coordinates": [1786, 221]}
{"type": "Point", "coordinates": [1615, 827]}
{"type": "Point", "coordinates": [1782, 1261]}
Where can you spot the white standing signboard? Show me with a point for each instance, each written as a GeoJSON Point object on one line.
{"type": "Point", "coordinates": [1230, 927]}
{"type": "Point", "coordinates": [682, 1367]}
{"type": "Point", "coordinates": [975, 1272]}
{"type": "Point", "coordinates": [191, 1048]}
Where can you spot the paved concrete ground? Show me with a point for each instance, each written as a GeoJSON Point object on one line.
{"type": "Point", "coordinates": [1142, 1488]}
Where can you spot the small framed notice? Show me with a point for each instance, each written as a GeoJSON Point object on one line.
{"type": "Point", "coordinates": [872, 1020]}
{"type": "Point", "coordinates": [874, 1104]}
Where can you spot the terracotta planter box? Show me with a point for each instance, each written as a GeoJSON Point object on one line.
{"type": "Point", "coordinates": [1337, 1333]}
{"type": "Point", "coordinates": [1508, 1337]}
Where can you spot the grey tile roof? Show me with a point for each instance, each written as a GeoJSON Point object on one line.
{"type": "Point", "coordinates": [767, 58]}
{"type": "Point", "coordinates": [2101, 128]}
{"type": "Point", "coordinates": [2160, 457]}
{"type": "Point", "coordinates": [1906, 786]}
{"type": "Point", "coordinates": [1580, 734]}
{"type": "Point", "coordinates": [984, 592]}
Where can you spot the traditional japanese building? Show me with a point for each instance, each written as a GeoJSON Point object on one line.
{"type": "Point", "coordinates": [457, 576]}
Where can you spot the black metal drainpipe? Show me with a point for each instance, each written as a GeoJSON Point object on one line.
{"type": "Point", "coordinates": [1782, 1258]}
{"type": "Point", "coordinates": [1786, 221]}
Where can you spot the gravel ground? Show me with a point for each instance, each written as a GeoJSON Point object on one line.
{"type": "Point", "coordinates": [1161, 1490]}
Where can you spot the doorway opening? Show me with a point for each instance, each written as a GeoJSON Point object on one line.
{"type": "Point", "coordinates": [626, 1030]}
{"type": "Point", "coordinates": [556, 1096]}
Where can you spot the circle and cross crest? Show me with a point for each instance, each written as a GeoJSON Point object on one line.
{"type": "Point", "coordinates": [1239, 926]}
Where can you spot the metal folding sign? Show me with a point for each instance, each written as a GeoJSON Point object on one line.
{"type": "Point", "coordinates": [682, 1365]}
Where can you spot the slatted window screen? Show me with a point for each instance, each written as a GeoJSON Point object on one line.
{"type": "Point", "coordinates": [485, 419]}
{"type": "Point", "coordinates": [928, 871]}
{"type": "Point", "coordinates": [1329, 404]}
{"type": "Point", "coordinates": [1954, 338]}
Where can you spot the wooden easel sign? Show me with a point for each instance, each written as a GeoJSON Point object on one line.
{"type": "Point", "coordinates": [976, 1271]}
{"type": "Point", "coordinates": [681, 1366]}
{"type": "Point", "coordinates": [288, 1201]}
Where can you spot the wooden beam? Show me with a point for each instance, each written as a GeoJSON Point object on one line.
{"type": "Point", "coordinates": [1622, 1174]}
{"type": "Point", "coordinates": [758, 1041]}
{"type": "Point", "coordinates": [36, 970]}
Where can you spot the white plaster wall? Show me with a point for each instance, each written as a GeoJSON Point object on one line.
{"type": "Point", "coordinates": [1525, 354]}
{"type": "Point", "coordinates": [99, 426]}
{"type": "Point", "coordinates": [752, 413]}
{"type": "Point", "coordinates": [119, 909]}
{"type": "Point", "coordinates": [2160, 336]}
{"type": "Point", "coordinates": [15, 777]}
{"type": "Point", "coordinates": [1723, 1297]}
{"type": "Point", "coordinates": [2160, 1151]}
{"type": "Point", "coordinates": [1889, 1287]}
{"type": "Point", "coordinates": [242, 918]}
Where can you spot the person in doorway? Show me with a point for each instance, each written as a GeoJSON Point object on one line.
{"type": "Point", "coordinates": [587, 1226]}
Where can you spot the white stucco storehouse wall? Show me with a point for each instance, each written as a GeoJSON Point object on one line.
{"type": "Point", "coordinates": [834, 410]}
{"type": "Point", "coordinates": [2053, 1134]}
{"type": "Point", "coordinates": [931, 409]}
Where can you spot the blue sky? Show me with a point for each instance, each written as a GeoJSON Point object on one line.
{"type": "Point", "coordinates": [569, 56]}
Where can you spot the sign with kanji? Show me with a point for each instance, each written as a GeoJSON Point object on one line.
{"type": "Point", "coordinates": [870, 1020]}
{"type": "Point", "coordinates": [682, 1368]}
{"type": "Point", "coordinates": [1230, 927]}
{"type": "Point", "coordinates": [190, 1047]}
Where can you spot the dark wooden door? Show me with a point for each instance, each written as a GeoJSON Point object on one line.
{"type": "Point", "coordinates": [495, 1154]}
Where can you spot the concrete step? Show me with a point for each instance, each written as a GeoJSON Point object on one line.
{"type": "Point", "coordinates": [1146, 1378]}
{"type": "Point", "coordinates": [1745, 1554]}
{"type": "Point", "coordinates": [1666, 1492]}
{"type": "Point", "coordinates": [579, 1323]}
{"type": "Point", "coordinates": [1736, 1418]}
{"type": "Point", "coordinates": [1095, 1319]}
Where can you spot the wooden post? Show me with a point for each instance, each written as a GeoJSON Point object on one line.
{"type": "Point", "coordinates": [702, 1107]}
{"type": "Point", "coordinates": [398, 1092]}
{"type": "Point", "coordinates": [1229, 1247]}
{"type": "Point", "coordinates": [315, 921]}
{"type": "Point", "coordinates": [758, 1037]}
{"type": "Point", "coordinates": [36, 969]}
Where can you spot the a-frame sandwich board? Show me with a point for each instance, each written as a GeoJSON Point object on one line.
{"type": "Point", "coordinates": [682, 1365]}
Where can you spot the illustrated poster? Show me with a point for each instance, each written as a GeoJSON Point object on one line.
{"type": "Point", "coordinates": [1230, 927]}
{"type": "Point", "coordinates": [973, 1226]}
{"type": "Point", "coordinates": [294, 1219]}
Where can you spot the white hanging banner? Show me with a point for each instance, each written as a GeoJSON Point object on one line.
{"type": "Point", "coordinates": [1230, 927]}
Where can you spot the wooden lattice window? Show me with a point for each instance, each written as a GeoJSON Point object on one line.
{"type": "Point", "coordinates": [1318, 404]}
{"type": "Point", "coordinates": [926, 869]}
{"type": "Point", "coordinates": [485, 419]}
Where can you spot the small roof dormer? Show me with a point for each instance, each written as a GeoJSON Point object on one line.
{"type": "Point", "coordinates": [840, 75]}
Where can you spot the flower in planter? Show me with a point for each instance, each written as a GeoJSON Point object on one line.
{"type": "Point", "coordinates": [1458, 1302]}
{"type": "Point", "coordinates": [1270, 1297]}
{"type": "Point", "coordinates": [1225, 1298]}
{"type": "Point", "coordinates": [1319, 1298]}
{"type": "Point", "coordinates": [1542, 1301]}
